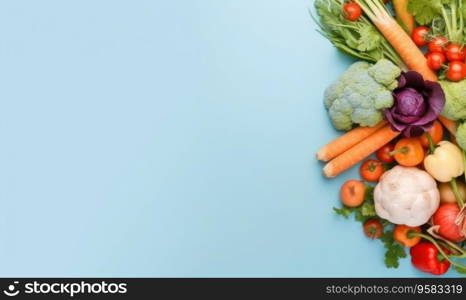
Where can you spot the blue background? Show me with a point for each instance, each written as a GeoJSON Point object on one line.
{"type": "Point", "coordinates": [170, 138]}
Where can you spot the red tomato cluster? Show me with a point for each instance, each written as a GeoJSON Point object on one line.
{"type": "Point", "coordinates": [441, 53]}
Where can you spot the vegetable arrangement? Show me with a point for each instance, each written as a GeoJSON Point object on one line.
{"type": "Point", "coordinates": [404, 102]}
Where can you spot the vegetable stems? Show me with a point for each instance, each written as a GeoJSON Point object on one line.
{"type": "Point", "coordinates": [352, 37]}
{"type": "Point", "coordinates": [431, 142]}
{"type": "Point", "coordinates": [458, 197]}
{"type": "Point", "coordinates": [448, 257]}
{"type": "Point", "coordinates": [397, 37]}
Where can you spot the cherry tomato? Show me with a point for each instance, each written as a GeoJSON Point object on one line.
{"type": "Point", "coordinates": [454, 52]}
{"type": "Point", "coordinates": [437, 44]}
{"type": "Point", "coordinates": [373, 228]}
{"type": "Point", "coordinates": [456, 71]}
{"type": "Point", "coordinates": [436, 133]}
{"type": "Point", "coordinates": [352, 11]}
{"type": "Point", "coordinates": [419, 35]}
{"type": "Point", "coordinates": [371, 170]}
{"type": "Point", "coordinates": [400, 234]}
{"type": "Point", "coordinates": [435, 60]}
{"type": "Point", "coordinates": [384, 153]}
{"type": "Point", "coordinates": [352, 193]}
{"type": "Point", "coordinates": [409, 152]}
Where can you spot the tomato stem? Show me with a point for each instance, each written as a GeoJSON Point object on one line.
{"type": "Point", "coordinates": [464, 161]}
{"type": "Point", "coordinates": [403, 150]}
{"type": "Point", "coordinates": [433, 241]}
{"type": "Point", "coordinates": [431, 142]}
{"type": "Point", "coordinates": [458, 197]}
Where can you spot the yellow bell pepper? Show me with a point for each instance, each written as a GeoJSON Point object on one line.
{"type": "Point", "coordinates": [446, 163]}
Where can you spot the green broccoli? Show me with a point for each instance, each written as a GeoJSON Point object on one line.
{"type": "Point", "coordinates": [461, 135]}
{"type": "Point", "coordinates": [361, 93]}
{"type": "Point", "coordinates": [455, 94]}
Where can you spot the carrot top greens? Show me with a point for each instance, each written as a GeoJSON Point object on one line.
{"type": "Point", "coordinates": [445, 17]}
{"type": "Point", "coordinates": [359, 38]}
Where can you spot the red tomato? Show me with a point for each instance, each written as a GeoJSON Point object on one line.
{"type": "Point", "coordinates": [373, 228]}
{"type": "Point", "coordinates": [456, 71]}
{"type": "Point", "coordinates": [352, 11]}
{"type": "Point", "coordinates": [419, 35]}
{"type": "Point", "coordinates": [437, 44]}
{"type": "Point", "coordinates": [445, 217]}
{"type": "Point", "coordinates": [436, 133]}
{"type": "Point", "coordinates": [454, 52]}
{"type": "Point", "coordinates": [384, 153]}
{"type": "Point", "coordinates": [435, 60]}
{"type": "Point", "coordinates": [371, 170]}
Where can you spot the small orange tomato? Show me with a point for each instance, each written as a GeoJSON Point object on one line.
{"type": "Point", "coordinates": [400, 234]}
{"type": "Point", "coordinates": [409, 152]}
{"type": "Point", "coordinates": [352, 193]}
{"type": "Point", "coordinates": [436, 132]}
{"type": "Point", "coordinates": [371, 170]}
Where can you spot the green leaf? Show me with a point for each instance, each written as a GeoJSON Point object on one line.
{"type": "Point", "coordinates": [393, 255]}
{"type": "Point", "coordinates": [424, 11]}
{"type": "Point", "coordinates": [344, 211]}
{"type": "Point", "coordinates": [369, 38]}
{"type": "Point", "coordinates": [438, 27]}
{"type": "Point", "coordinates": [358, 216]}
{"type": "Point", "coordinates": [328, 12]}
{"type": "Point", "coordinates": [369, 194]}
{"type": "Point", "coordinates": [368, 210]}
{"type": "Point", "coordinates": [360, 38]}
{"type": "Point", "coordinates": [387, 238]}
{"type": "Point", "coordinates": [394, 250]}
{"type": "Point", "coordinates": [460, 270]}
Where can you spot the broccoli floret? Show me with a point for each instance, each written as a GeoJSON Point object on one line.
{"type": "Point", "coordinates": [392, 86]}
{"type": "Point", "coordinates": [366, 116]}
{"type": "Point", "coordinates": [383, 99]}
{"type": "Point", "coordinates": [385, 72]}
{"type": "Point", "coordinates": [461, 135]}
{"type": "Point", "coordinates": [332, 93]}
{"type": "Point", "coordinates": [455, 94]}
{"type": "Point", "coordinates": [361, 93]}
{"type": "Point", "coordinates": [341, 115]}
{"type": "Point", "coordinates": [358, 66]}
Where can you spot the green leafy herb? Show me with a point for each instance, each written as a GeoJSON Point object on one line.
{"type": "Point", "coordinates": [368, 208]}
{"type": "Point", "coordinates": [369, 38]}
{"type": "Point", "coordinates": [394, 251]}
{"type": "Point", "coordinates": [357, 38]}
{"type": "Point", "coordinates": [363, 212]}
{"type": "Point", "coordinates": [344, 211]}
{"type": "Point", "coordinates": [424, 11]}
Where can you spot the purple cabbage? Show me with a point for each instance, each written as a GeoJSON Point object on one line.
{"type": "Point", "coordinates": [417, 104]}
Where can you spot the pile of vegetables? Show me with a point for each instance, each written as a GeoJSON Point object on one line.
{"type": "Point", "coordinates": [403, 103]}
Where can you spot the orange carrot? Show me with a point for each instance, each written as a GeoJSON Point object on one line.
{"type": "Point", "coordinates": [403, 15]}
{"type": "Point", "coordinates": [450, 125]}
{"type": "Point", "coordinates": [397, 37]}
{"type": "Point", "coordinates": [346, 141]}
{"type": "Point", "coordinates": [360, 151]}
